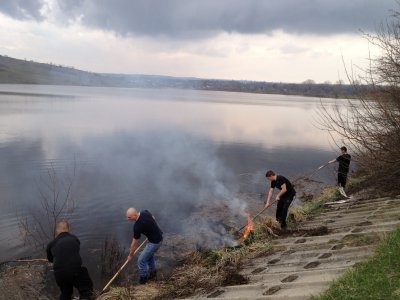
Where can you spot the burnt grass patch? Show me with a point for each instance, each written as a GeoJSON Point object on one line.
{"type": "Point", "coordinates": [234, 278]}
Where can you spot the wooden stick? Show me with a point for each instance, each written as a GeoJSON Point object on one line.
{"type": "Point", "coordinates": [120, 269]}
{"type": "Point", "coordinates": [319, 168]}
{"type": "Point", "coordinates": [323, 166]}
{"type": "Point", "coordinates": [30, 260]}
{"type": "Point", "coordinates": [259, 213]}
{"type": "Point", "coordinates": [307, 176]}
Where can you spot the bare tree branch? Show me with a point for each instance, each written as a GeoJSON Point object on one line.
{"type": "Point", "coordinates": [57, 202]}
{"type": "Point", "coordinates": [371, 124]}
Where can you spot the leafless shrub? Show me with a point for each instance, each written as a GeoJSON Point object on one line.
{"type": "Point", "coordinates": [112, 257]}
{"type": "Point", "coordinates": [56, 203]}
{"type": "Point", "coordinates": [370, 125]}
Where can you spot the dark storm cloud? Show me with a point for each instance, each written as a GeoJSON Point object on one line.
{"type": "Point", "coordinates": [188, 19]}
{"type": "Point", "coordinates": [23, 9]}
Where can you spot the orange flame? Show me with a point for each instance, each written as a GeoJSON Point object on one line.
{"type": "Point", "coordinates": [249, 228]}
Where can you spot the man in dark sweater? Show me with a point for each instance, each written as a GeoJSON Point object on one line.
{"type": "Point", "coordinates": [147, 225]}
{"type": "Point", "coordinates": [63, 252]}
{"type": "Point", "coordinates": [344, 165]}
{"type": "Point", "coordinates": [284, 197]}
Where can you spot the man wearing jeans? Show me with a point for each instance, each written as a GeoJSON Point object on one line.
{"type": "Point", "coordinates": [284, 197]}
{"type": "Point", "coordinates": [147, 225]}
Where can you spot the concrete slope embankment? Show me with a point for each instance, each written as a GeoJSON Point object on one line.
{"type": "Point", "coordinates": [306, 265]}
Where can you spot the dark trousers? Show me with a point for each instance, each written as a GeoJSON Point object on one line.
{"type": "Point", "coordinates": [342, 179]}
{"type": "Point", "coordinates": [79, 278]}
{"type": "Point", "coordinates": [282, 209]}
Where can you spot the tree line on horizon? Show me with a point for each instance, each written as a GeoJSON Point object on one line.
{"type": "Point", "coordinates": [16, 71]}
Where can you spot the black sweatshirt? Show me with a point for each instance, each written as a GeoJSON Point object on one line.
{"type": "Point", "coordinates": [281, 180]}
{"type": "Point", "coordinates": [63, 252]}
{"type": "Point", "coordinates": [344, 163]}
{"type": "Point", "coordinates": [148, 226]}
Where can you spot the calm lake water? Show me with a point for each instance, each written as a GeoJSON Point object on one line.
{"type": "Point", "coordinates": [168, 151]}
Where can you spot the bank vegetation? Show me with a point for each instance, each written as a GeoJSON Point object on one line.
{"type": "Point", "coordinates": [370, 125]}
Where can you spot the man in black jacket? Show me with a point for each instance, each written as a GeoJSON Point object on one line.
{"type": "Point", "coordinates": [63, 252]}
{"type": "Point", "coordinates": [284, 197]}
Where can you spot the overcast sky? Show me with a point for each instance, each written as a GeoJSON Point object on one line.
{"type": "Point", "coordinates": [266, 40]}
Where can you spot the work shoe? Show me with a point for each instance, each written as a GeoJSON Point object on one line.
{"type": "Point", "coordinates": [342, 192]}
{"type": "Point", "coordinates": [142, 280]}
{"type": "Point", "coordinates": [153, 275]}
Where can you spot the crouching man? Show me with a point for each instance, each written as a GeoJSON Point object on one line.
{"type": "Point", "coordinates": [147, 225]}
{"type": "Point", "coordinates": [63, 252]}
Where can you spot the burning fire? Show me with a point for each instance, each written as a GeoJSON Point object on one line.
{"type": "Point", "coordinates": [249, 228]}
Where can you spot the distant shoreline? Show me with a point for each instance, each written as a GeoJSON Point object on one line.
{"type": "Point", "coordinates": [35, 94]}
{"type": "Point", "coordinates": [17, 71]}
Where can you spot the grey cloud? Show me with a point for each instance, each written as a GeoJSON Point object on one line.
{"type": "Point", "coordinates": [23, 9]}
{"type": "Point", "coordinates": [190, 19]}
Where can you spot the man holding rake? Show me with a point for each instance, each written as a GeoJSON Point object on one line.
{"type": "Point", "coordinates": [344, 164]}
{"type": "Point", "coordinates": [147, 225]}
{"type": "Point", "coordinates": [284, 197]}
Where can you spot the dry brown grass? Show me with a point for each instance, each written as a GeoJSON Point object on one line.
{"type": "Point", "coordinates": [206, 269]}
{"type": "Point", "coordinates": [297, 215]}
{"type": "Point", "coordinates": [117, 293]}
{"type": "Point", "coordinates": [147, 291]}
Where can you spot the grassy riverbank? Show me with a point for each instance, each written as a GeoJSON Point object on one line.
{"type": "Point", "coordinates": [206, 269]}
{"type": "Point", "coordinates": [377, 278]}
{"type": "Point", "coordinates": [315, 207]}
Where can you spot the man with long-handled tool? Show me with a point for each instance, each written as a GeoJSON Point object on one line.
{"type": "Point", "coordinates": [63, 252]}
{"type": "Point", "coordinates": [344, 164]}
{"type": "Point", "coordinates": [120, 269]}
{"type": "Point", "coordinates": [284, 197]}
{"type": "Point", "coordinates": [147, 225]}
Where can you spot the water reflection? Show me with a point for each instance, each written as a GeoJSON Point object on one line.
{"type": "Point", "coordinates": [168, 151]}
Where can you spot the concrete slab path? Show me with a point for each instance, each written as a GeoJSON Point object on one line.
{"type": "Point", "coordinates": [308, 264]}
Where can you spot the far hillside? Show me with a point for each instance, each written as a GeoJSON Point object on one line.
{"type": "Point", "coordinates": [29, 72]}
